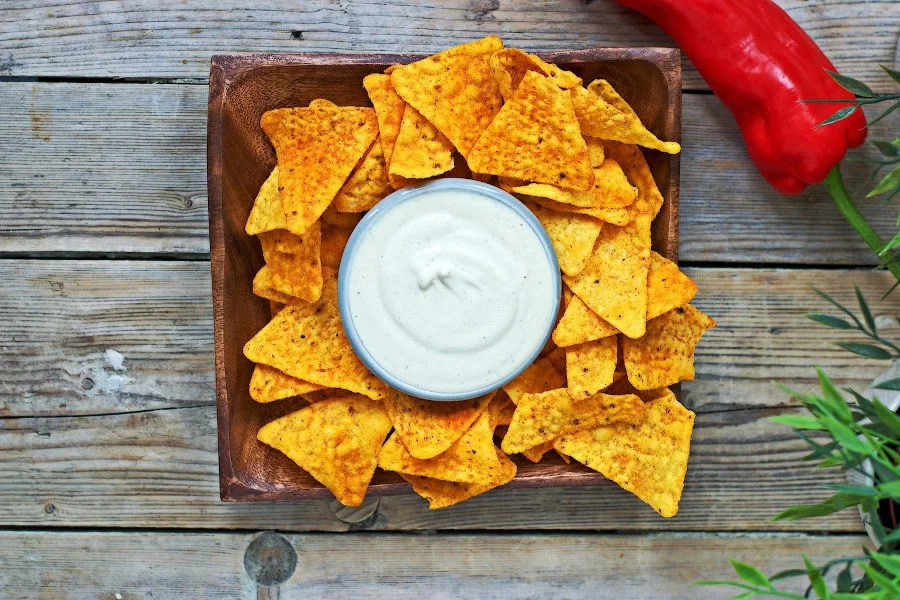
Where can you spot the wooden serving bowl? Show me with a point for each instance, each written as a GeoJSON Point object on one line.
{"type": "Point", "coordinates": [241, 89]}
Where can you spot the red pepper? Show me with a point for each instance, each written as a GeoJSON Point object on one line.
{"type": "Point", "coordinates": [762, 65]}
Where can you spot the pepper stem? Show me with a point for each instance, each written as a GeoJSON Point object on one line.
{"type": "Point", "coordinates": [834, 183]}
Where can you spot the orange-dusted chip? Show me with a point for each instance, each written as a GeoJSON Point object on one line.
{"type": "Point", "coordinates": [622, 387]}
{"type": "Point", "coordinates": [649, 460]}
{"type": "Point", "coordinates": [613, 216]}
{"type": "Point", "coordinates": [579, 324]}
{"type": "Point", "coordinates": [317, 148]}
{"type": "Point", "coordinates": [611, 189]}
{"type": "Point", "coordinates": [322, 103]}
{"type": "Point", "coordinates": [591, 366]}
{"type": "Point", "coordinates": [367, 185]}
{"type": "Point", "coordinates": [596, 151]}
{"type": "Point", "coordinates": [337, 441]}
{"type": "Point", "coordinates": [283, 240]}
{"type": "Point", "coordinates": [332, 217]}
{"type": "Point", "coordinates": [540, 418]}
{"type": "Point", "coordinates": [665, 354]}
{"type": "Point", "coordinates": [535, 137]}
{"type": "Point", "coordinates": [603, 89]}
{"type": "Point", "coordinates": [511, 64]}
{"type": "Point", "coordinates": [454, 89]}
{"type": "Point", "coordinates": [667, 286]}
{"type": "Point", "coordinates": [540, 376]}
{"type": "Point", "coordinates": [268, 384]}
{"type": "Point", "coordinates": [298, 274]}
{"type": "Point", "coordinates": [557, 358]}
{"type": "Point", "coordinates": [267, 212]}
{"type": "Point", "coordinates": [635, 167]}
{"type": "Point", "coordinates": [334, 240]}
{"type": "Point", "coordinates": [599, 118]}
{"type": "Point", "coordinates": [537, 453]}
{"type": "Point", "coordinates": [500, 409]}
{"type": "Point", "coordinates": [264, 288]}
{"type": "Point", "coordinates": [573, 236]}
{"type": "Point", "coordinates": [389, 108]}
{"type": "Point", "coordinates": [421, 151]}
{"type": "Point", "coordinates": [275, 307]}
{"type": "Point", "coordinates": [441, 494]}
{"type": "Point", "coordinates": [428, 428]}
{"type": "Point", "coordinates": [307, 341]}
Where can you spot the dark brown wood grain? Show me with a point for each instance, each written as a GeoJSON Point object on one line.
{"type": "Point", "coordinates": [240, 157]}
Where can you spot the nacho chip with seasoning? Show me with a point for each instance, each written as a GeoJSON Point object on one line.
{"type": "Point", "coordinates": [535, 137]}
{"type": "Point", "coordinates": [536, 454]}
{"type": "Point", "coordinates": [470, 459]}
{"type": "Point", "coordinates": [667, 286]}
{"type": "Point", "coordinates": [649, 460]}
{"type": "Point", "coordinates": [441, 494]}
{"type": "Point", "coordinates": [572, 235]}
{"type": "Point", "coordinates": [596, 152]}
{"type": "Point", "coordinates": [541, 418]}
{"type": "Point", "coordinates": [264, 288]}
{"type": "Point", "coordinates": [317, 148]}
{"type": "Point", "coordinates": [267, 212]}
{"type": "Point", "coordinates": [500, 409]}
{"type": "Point", "coordinates": [334, 240]}
{"type": "Point", "coordinates": [429, 428]}
{"type": "Point", "coordinates": [389, 107]}
{"type": "Point", "coordinates": [337, 441]}
{"type": "Point", "coordinates": [540, 376]}
{"type": "Point", "coordinates": [665, 354]}
{"type": "Point", "coordinates": [591, 366]}
{"type": "Point", "coordinates": [580, 324]}
{"type": "Point", "coordinates": [275, 307]}
{"type": "Point", "coordinates": [367, 185]}
{"type": "Point", "coordinates": [454, 89]}
{"type": "Point", "coordinates": [613, 216]}
{"type": "Point", "coordinates": [268, 384]}
{"type": "Point", "coordinates": [298, 274]}
{"type": "Point", "coordinates": [421, 151]}
{"type": "Point", "coordinates": [307, 341]}
{"type": "Point", "coordinates": [634, 165]}
{"type": "Point", "coordinates": [322, 103]}
{"type": "Point", "coordinates": [611, 189]}
{"type": "Point", "coordinates": [510, 66]}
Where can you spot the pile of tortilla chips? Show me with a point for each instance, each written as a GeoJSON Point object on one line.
{"type": "Point", "coordinates": [599, 393]}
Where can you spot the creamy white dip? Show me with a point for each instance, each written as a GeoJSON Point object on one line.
{"type": "Point", "coordinates": [450, 291]}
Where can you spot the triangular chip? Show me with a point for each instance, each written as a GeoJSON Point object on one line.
{"type": "Point", "coordinates": [470, 459]}
{"type": "Point", "coordinates": [332, 217]}
{"type": "Point", "coordinates": [367, 185]}
{"type": "Point", "coordinates": [667, 286]}
{"type": "Point", "coordinates": [441, 494]}
{"type": "Point", "coordinates": [500, 409]}
{"type": "Point", "coordinates": [610, 190]}
{"type": "Point", "coordinates": [537, 453]}
{"type": "Point", "coordinates": [389, 108]}
{"type": "Point", "coordinates": [275, 307]}
{"type": "Point", "coordinates": [634, 165]}
{"type": "Point", "coordinates": [596, 152]}
{"type": "Point", "coordinates": [267, 212]}
{"type": "Point", "coordinates": [334, 240]}
{"type": "Point", "coordinates": [454, 89]}
{"type": "Point", "coordinates": [540, 418]}
{"type": "Point", "coordinates": [322, 103]}
{"type": "Point", "coordinates": [283, 240]}
{"type": "Point", "coordinates": [421, 151]}
{"type": "Point", "coordinates": [264, 288]}
{"type": "Point", "coordinates": [580, 324]}
{"type": "Point", "coordinates": [557, 358]}
{"type": "Point", "coordinates": [540, 376]}
{"type": "Point", "coordinates": [665, 354]}
{"type": "Point", "coordinates": [298, 274]}
{"type": "Point", "coordinates": [268, 384]}
{"type": "Point", "coordinates": [573, 236]}
{"type": "Point", "coordinates": [337, 441]}
{"type": "Point", "coordinates": [649, 460]}
{"type": "Point", "coordinates": [535, 137]}
{"type": "Point", "coordinates": [511, 64]}
{"type": "Point", "coordinates": [317, 148]}
{"type": "Point", "coordinates": [613, 216]}
{"type": "Point", "coordinates": [428, 428]}
{"type": "Point", "coordinates": [599, 118]}
{"type": "Point", "coordinates": [590, 367]}
{"type": "Point", "coordinates": [307, 341]}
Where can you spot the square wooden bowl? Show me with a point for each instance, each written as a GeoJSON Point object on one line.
{"type": "Point", "coordinates": [239, 155]}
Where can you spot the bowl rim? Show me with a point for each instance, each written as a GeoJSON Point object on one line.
{"type": "Point", "coordinates": [409, 193]}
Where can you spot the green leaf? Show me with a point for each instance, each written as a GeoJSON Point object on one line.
{"type": "Point", "coordinates": [887, 417]}
{"type": "Point", "coordinates": [893, 107]}
{"type": "Point", "coordinates": [854, 86]}
{"type": "Point", "coordinates": [788, 573]}
{"type": "Point", "coordinates": [837, 304]}
{"type": "Point", "coordinates": [836, 503]}
{"type": "Point", "coordinates": [892, 537]}
{"type": "Point", "coordinates": [890, 384]}
{"type": "Point", "coordinates": [889, 182]}
{"type": "Point", "coordinates": [844, 579]}
{"type": "Point", "coordinates": [838, 404]}
{"type": "Point", "coordinates": [885, 583]}
{"type": "Point", "coordinates": [867, 350]}
{"type": "Point", "coordinates": [890, 245]}
{"type": "Point", "coordinates": [750, 574]}
{"type": "Point", "coordinates": [855, 490]}
{"type": "Point", "coordinates": [889, 149]}
{"type": "Point", "coordinates": [829, 321]}
{"type": "Point", "coordinates": [864, 307]}
{"type": "Point", "coordinates": [895, 75]}
{"type": "Point", "coordinates": [798, 422]}
{"type": "Point", "coordinates": [839, 115]}
{"type": "Point", "coordinates": [743, 596]}
{"type": "Point", "coordinates": [816, 581]}
{"type": "Point", "coordinates": [892, 488]}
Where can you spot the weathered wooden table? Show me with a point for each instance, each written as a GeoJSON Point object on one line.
{"type": "Point", "coordinates": [108, 466]}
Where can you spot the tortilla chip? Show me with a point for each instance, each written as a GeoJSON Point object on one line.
{"type": "Point", "coordinates": [323, 394]}
{"type": "Point", "coordinates": [510, 66]}
{"type": "Point", "coordinates": [667, 286]}
{"type": "Point", "coordinates": [322, 103]}
{"type": "Point", "coordinates": [337, 441]}
{"type": "Point", "coordinates": [535, 137]}
{"type": "Point", "coordinates": [454, 89]}
{"type": "Point", "coordinates": [307, 341]}
{"type": "Point", "coordinates": [573, 236]}
{"type": "Point", "coordinates": [596, 152]}
{"type": "Point", "coordinates": [267, 212]}
{"type": "Point", "coordinates": [268, 384]}
{"type": "Point", "coordinates": [610, 190]}
{"type": "Point", "coordinates": [665, 354]}
{"type": "Point", "coordinates": [367, 185]}
{"type": "Point", "coordinates": [613, 216]}
{"type": "Point", "coordinates": [275, 307]}
{"type": "Point", "coordinates": [264, 288]}
{"type": "Point", "coordinates": [540, 376]}
{"type": "Point", "coordinates": [332, 217]}
{"type": "Point", "coordinates": [599, 118]}
{"type": "Point", "coordinates": [283, 240]}
{"type": "Point", "coordinates": [334, 240]}
{"type": "Point", "coordinates": [590, 367]}
{"type": "Point", "coordinates": [389, 108]}
{"type": "Point", "coordinates": [421, 150]}
{"type": "Point", "coordinates": [557, 358]}
{"type": "Point", "coordinates": [441, 494]}
{"type": "Point", "coordinates": [537, 453]}
{"type": "Point", "coordinates": [635, 167]}
{"type": "Point", "coordinates": [541, 418]}
{"type": "Point", "coordinates": [317, 148]}
{"type": "Point", "coordinates": [622, 386]}
{"type": "Point", "coordinates": [649, 460]}
{"type": "Point", "coordinates": [565, 457]}
{"type": "Point", "coordinates": [429, 428]}
{"type": "Point", "coordinates": [470, 459]}
{"type": "Point", "coordinates": [500, 409]}
{"type": "Point", "coordinates": [579, 324]}
{"type": "Point", "coordinates": [298, 274]}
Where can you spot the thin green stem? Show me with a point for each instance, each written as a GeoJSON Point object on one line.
{"type": "Point", "coordinates": [834, 183]}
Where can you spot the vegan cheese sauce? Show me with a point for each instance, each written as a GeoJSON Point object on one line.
{"type": "Point", "coordinates": [450, 290]}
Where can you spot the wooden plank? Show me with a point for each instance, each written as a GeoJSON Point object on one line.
{"type": "Point", "coordinates": [135, 38]}
{"type": "Point", "coordinates": [121, 168]}
{"type": "Point", "coordinates": [202, 565]}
